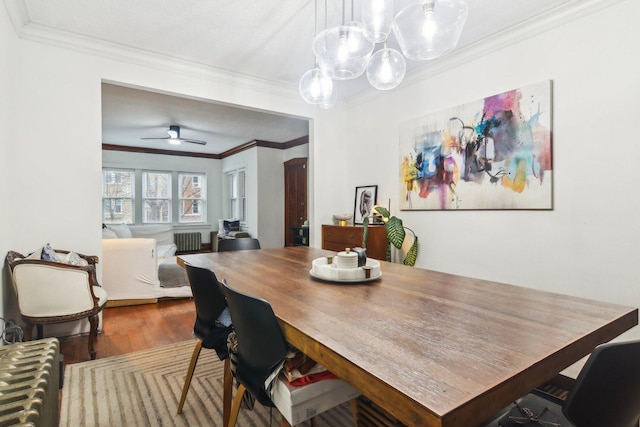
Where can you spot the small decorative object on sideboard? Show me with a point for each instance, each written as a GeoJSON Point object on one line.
{"type": "Point", "coordinates": [342, 219]}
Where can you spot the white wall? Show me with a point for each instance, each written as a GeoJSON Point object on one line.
{"type": "Point", "coordinates": [55, 156]}
{"type": "Point", "coordinates": [161, 162]}
{"type": "Point", "coordinates": [270, 197]}
{"type": "Point", "coordinates": [587, 245]}
{"type": "Point", "coordinates": [7, 299]}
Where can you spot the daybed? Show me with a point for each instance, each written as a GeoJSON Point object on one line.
{"type": "Point", "coordinates": [139, 265]}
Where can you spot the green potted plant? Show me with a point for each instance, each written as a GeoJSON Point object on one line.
{"type": "Point", "coordinates": [396, 233]}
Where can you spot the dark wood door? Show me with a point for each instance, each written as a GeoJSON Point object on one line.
{"type": "Point", "coordinates": [295, 196]}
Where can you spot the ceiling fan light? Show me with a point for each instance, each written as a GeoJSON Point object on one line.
{"type": "Point", "coordinates": [377, 17]}
{"type": "Point", "coordinates": [386, 69]}
{"type": "Point", "coordinates": [315, 87]}
{"type": "Point", "coordinates": [173, 134]}
{"type": "Point", "coordinates": [428, 29]}
{"type": "Point", "coordinates": [174, 141]}
{"type": "Point", "coordinates": [343, 52]}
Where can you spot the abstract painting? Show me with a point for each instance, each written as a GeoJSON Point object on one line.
{"type": "Point", "coordinates": [494, 153]}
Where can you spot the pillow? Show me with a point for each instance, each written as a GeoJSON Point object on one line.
{"type": "Point", "coordinates": [108, 234]}
{"type": "Point", "coordinates": [121, 230]}
{"type": "Point", "coordinates": [48, 254]}
{"type": "Point", "coordinates": [231, 226]}
{"type": "Point", "coordinates": [35, 254]}
{"type": "Point", "coordinates": [72, 258]}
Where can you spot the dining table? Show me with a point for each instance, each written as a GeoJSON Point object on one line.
{"type": "Point", "coordinates": [430, 348]}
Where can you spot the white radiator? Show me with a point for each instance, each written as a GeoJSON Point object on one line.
{"type": "Point", "coordinates": [188, 241]}
{"type": "Point", "coordinates": [29, 382]}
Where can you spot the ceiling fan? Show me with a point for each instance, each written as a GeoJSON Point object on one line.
{"type": "Point", "coordinates": [174, 137]}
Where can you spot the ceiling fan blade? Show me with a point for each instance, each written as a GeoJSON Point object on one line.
{"type": "Point", "coordinates": [194, 141]}
{"type": "Point", "coordinates": [168, 137]}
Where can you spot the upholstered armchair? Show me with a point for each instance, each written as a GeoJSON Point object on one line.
{"type": "Point", "coordinates": [56, 292]}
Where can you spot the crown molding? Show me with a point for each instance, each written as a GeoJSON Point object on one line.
{"type": "Point", "coordinates": [548, 20]}
{"type": "Point", "coordinates": [246, 146]}
{"type": "Point", "coordinates": [532, 27]}
{"type": "Point", "coordinates": [27, 30]}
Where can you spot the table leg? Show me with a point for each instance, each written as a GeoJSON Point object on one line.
{"type": "Point", "coordinates": [227, 390]}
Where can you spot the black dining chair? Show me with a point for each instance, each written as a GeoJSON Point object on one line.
{"type": "Point", "coordinates": [212, 325]}
{"type": "Point", "coordinates": [606, 393]}
{"type": "Point", "coordinates": [239, 244]}
{"type": "Point", "coordinates": [262, 349]}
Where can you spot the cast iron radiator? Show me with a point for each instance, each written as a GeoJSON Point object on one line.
{"type": "Point", "coordinates": [29, 381]}
{"type": "Point", "coordinates": [188, 241]}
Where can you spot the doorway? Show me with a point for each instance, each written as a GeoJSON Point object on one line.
{"type": "Point", "coordinates": [295, 196]}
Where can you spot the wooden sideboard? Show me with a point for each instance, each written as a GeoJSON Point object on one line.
{"type": "Point", "coordinates": [337, 238]}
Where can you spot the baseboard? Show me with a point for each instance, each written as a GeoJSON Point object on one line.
{"type": "Point", "coordinates": [132, 301]}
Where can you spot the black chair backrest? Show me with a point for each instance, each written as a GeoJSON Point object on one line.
{"type": "Point", "coordinates": [261, 342]}
{"type": "Point", "coordinates": [240, 244]}
{"type": "Point", "coordinates": [208, 298]}
{"type": "Point", "coordinates": [607, 390]}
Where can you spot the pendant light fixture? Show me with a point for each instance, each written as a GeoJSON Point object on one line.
{"type": "Point", "coordinates": [315, 87]}
{"type": "Point", "coordinates": [377, 18]}
{"type": "Point", "coordinates": [428, 29]}
{"type": "Point", "coordinates": [425, 29]}
{"type": "Point", "coordinates": [342, 52]}
{"type": "Point", "coordinates": [386, 69]}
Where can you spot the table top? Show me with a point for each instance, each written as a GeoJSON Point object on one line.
{"type": "Point", "coordinates": [433, 349]}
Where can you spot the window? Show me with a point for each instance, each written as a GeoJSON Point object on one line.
{"type": "Point", "coordinates": [156, 197]}
{"type": "Point", "coordinates": [117, 196]}
{"type": "Point", "coordinates": [237, 195]}
{"type": "Point", "coordinates": [191, 197]}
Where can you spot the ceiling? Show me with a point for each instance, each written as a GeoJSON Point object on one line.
{"type": "Point", "coordinates": [268, 39]}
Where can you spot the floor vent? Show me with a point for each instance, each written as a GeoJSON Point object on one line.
{"type": "Point", "coordinates": [188, 241]}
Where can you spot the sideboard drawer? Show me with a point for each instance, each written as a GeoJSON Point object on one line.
{"type": "Point", "coordinates": [337, 238]}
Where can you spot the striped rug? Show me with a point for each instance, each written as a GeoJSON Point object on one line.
{"type": "Point", "coordinates": [143, 389]}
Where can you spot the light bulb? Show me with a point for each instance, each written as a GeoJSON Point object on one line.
{"type": "Point", "coordinates": [377, 17]}
{"type": "Point", "coordinates": [315, 87]}
{"type": "Point", "coordinates": [386, 69]}
{"type": "Point", "coordinates": [342, 54]}
{"type": "Point", "coordinates": [430, 26]}
{"type": "Point", "coordinates": [427, 29]}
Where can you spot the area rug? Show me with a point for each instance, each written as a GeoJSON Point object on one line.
{"type": "Point", "coordinates": [143, 389]}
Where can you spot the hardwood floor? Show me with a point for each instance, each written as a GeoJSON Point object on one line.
{"type": "Point", "coordinates": [134, 328]}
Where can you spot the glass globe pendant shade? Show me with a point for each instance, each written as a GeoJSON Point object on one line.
{"type": "Point", "coordinates": [386, 69]}
{"type": "Point", "coordinates": [428, 29]}
{"type": "Point", "coordinates": [331, 101]}
{"type": "Point", "coordinates": [315, 87]}
{"type": "Point", "coordinates": [342, 52]}
{"type": "Point", "coordinates": [377, 17]}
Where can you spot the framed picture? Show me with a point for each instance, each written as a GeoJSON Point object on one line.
{"type": "Point", "coordinates": [366, 197]}
{"type": "Point", "coordinates": [492, 153]}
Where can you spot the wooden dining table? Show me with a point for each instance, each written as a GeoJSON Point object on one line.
{"type": "Point", "coordinates": [430, 348]}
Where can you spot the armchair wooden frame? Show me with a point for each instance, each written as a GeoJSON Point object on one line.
{"type": "Point", "coordinates": [16, 259]}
